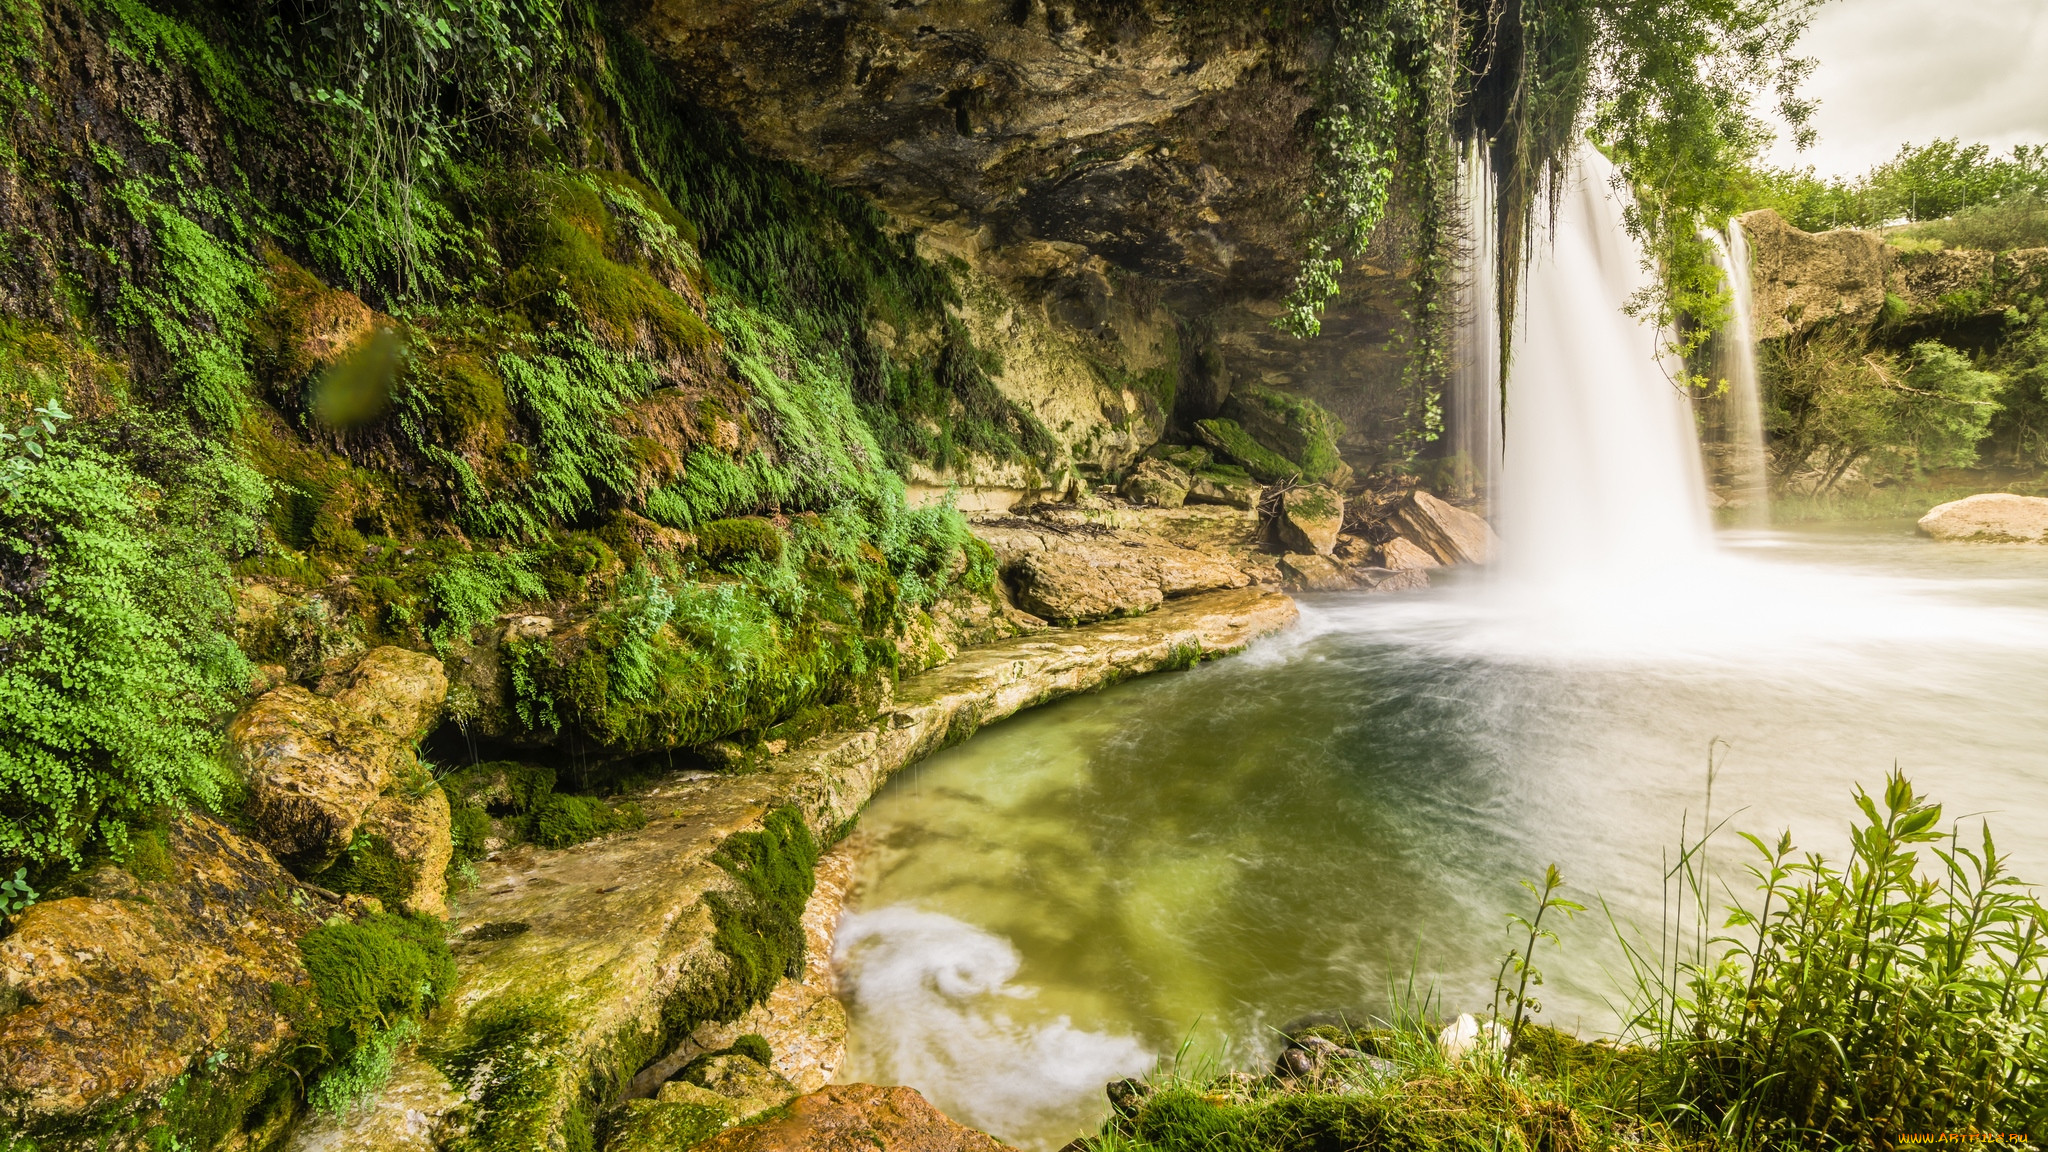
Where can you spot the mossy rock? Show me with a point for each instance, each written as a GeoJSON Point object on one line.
{"type": "Point", "coordinates": [667, 1125]}
{"type": "Point", "coordinates": [1293, 427]}
{"type": "Point", "coordinates": [1227, 437]}
{"type": "Point", "coordinates": [728, 542]}
{"type": "Point", "coordinates": [565, 821]}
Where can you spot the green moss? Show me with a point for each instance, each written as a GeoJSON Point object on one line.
{"type": "Point", "coordinates": [591, 246]}
{"type": "Point", "coordinates": [367, 974]}
{"type": "Point", "coordinates": [371, 868]}
{"type": "Point", "coordinates": [725, 542]}
{"type": "Point", "coordinates": [1293, 427]}
{"type": "Point", "coordinates": [1262, 462]}
{"type": "Point", "coordinates": [562, 821]}
{"type": "Point", "coordinates": [656, 1126]}
{"type": "Point", "coordinates": [761, 928]}
{"type": "Point", "coordinates": [510, 1060]}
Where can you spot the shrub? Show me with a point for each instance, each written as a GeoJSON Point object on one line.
{"type": "Point", "coordinates": [726, 542]}
{"type": "Point", "coordinates": [1851, 1002]}
{"type": "Point", "coordinates": [115, 659]}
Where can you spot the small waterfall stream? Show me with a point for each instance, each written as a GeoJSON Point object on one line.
{"type": "Point", "coordinates": [1474, 409]}
{"type": "Point", "coordinates": [1736, 416]}
{"type": "Point", "coordinates": [1601, 468]}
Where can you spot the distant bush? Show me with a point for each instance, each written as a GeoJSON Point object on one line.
{"type": "Point", "coordinates": [1944, 178]}
{"type": "Point", "coordinates": [116, 662]}
{"type": "Point", "coordinates": [1835, 405]}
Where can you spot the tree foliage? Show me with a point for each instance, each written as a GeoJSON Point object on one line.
{"type": "Point", "coordinates": [1922, 182]}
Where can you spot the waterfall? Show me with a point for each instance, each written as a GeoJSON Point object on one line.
{"type": "Point", "coordinates": [1601, 477]}
{"type": "Point", "coordinates": [1736, 419]}
{"type": "Point", "coordinates": [1473, 414]}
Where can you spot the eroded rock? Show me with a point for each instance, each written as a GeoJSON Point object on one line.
{"type": "Point", "coordinates": [1157, 483]}
{"type": "Point", "coordinates": [748, 1085]}
{"type": "Point", "coordinates": [1230, 489]}
{"type": "Point", "coordinates": [313, 768]}
{"type": "Point", "coordinates": [1070, 587]}
{"type": "Point", "coordinates": [1404, 555]}
{"type": "Point", "coordinates": [1800, 279]}
{"type": "Point", "coordinates": [1990, 517]}
{"type": "Point", "coordinates": [122, 994]}
{"type": "Point", "coordinates": [398, 690]}
{"type": "Point", "coordinates": [1445, 531]}
{"type": "Point", "coordinates": [857, 1118]}
{"type": "Point", "coordinates": [1310, 519]}
{"type": "Point", "coordinates": [1312, 573]}
{"type": "Point", "coordinates": [415, 831]}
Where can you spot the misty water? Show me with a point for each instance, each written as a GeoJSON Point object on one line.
{"type": "Point", "coordinates": [1343, 813]}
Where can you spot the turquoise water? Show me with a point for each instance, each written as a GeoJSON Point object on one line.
{"type": "Point", "coordinates": [1338, 820]}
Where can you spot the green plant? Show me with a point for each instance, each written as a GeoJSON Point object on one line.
{"type": "Point", "coordinates": [371, 868]}
{"type": "Point", "coordinates": [1520, 962]}
{"type": "Point", "coordinates": [1945, 178]}
{"type": "Point", "coordinates": [15, 893]}
{"type": "Point", "coordinates": [362, 1072]}
{"type": "Point", "coordinates": [472, 588]}
{"type": "Point", "coordinates": [19, 451]}
{"type": "Point", "coordinates": [1853, 1001]}
{"type": "Point", "coordinates": [761, 926]}
{"type": "Point", "coordinates": [1835, 404]}
{"type": "Point", "coordinates": [116, 664]}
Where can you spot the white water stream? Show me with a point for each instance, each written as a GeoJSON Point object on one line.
{"type": "Point", "coordinates": [1738, 423]}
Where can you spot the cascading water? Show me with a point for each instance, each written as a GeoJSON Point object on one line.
{"type": "Point", "coordinates": [1601, 471]}
{"type": "Point", "coordinates": [1737, 414]}
{"type": "Point", "coordinates": [1474, 409]}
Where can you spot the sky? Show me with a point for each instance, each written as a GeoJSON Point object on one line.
{"type": "Point", "coordinates": [1899, 71]}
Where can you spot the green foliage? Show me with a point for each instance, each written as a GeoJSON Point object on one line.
{"type": "Point", "coordinates": [2000, 226]}
{"type": "Point", "coordinates": [1849, 1002]}
{"type": "Point", "coordinates": [567, 391]}
{"type": "Point", "coordinates": [1946, 178]}
{"type": "Point", "coordinates": [822, 264]}
{"type": "Point", "coordinates": [761, 926]}
{"type": "Point", "coordinates": [1295, 427]}
{"type": "Point", "coordinates": [405, 86]}
{"type": "Point", "coordinates": [472, 588]}
{"type": "Point", "coordinates": [725, 542]}
{"type": "Point", "coordinates": [20, 451]}
{"type": "Point", "coordinates": [525, 795]}
{"type": "Point", "coordinates": [509, 1060]}
{"type": "Point", "coordinates": [116, 663]}
{"type": "Point", "coordinates": [362, 1072]}
{"type": "Point", "coordinates": [198, 303]}
{"type": "Point", "coordinates": [1834, 405]}
{"type": "Point", "coordinates": [15, 893]}
{"type": "Point", "coordinates": [755, 1047]}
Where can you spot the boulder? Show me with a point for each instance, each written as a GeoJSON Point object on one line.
{"type": "Point", "coordinates": [398, 690]}
{"type": "Point", "coordinates": [1312, 573]}
{"type": "Point", "coordinates": [400, 854]}
{"type": "Point", "coordinates": [1071, 587]}
{"type": "Point", "coordinates": [313, 768]}
{"type": "Point", "coordinates": [856, 1118]}
{"type": "Point", "coordinates": [669, 1124]}
{"type": "Point", "coordinates": [1445, 531]}
{"type": "Point", "coordinates": [1233, 488]}
{"type": "Point", "coordinates": [1157, 483]}
{"type": "Point", "coordinates": [110, 999]}
{"type": "Point", "coordinates": [1230, 439]}
{"type": "Point", "coordinates": [1292, 426]}
{"type": "Point", "coordinates": [1404, 555]}
{"type": "Point", "coordinates": [1799, 279]}
{"type": "Point", "coordinates": [1993, 517]}
{"type": "Point", "coordinates": [1388, 580]}
{"type": "Point", "coordinates": [1310, 519]}
{"type": "Point", "coordinates": [747, 1085]}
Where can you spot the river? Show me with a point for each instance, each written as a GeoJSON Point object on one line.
{"type": "Point", "coordinates": [1338, 819]}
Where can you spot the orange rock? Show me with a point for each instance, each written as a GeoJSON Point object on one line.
{"type": "Point", "coordinates": [857, 1118]}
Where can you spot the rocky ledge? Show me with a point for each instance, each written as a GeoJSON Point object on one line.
{"type": "Point", "coordinates": [582, 967]}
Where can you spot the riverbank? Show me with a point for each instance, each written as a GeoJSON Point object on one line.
{"type": "Point", "coordinates": [578, 967]}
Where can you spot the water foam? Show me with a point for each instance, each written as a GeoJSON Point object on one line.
{"type": "Point", "coordinates": [936, 1006]}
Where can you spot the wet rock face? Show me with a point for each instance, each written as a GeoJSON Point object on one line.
{"type": "Point", "coordinates": [857, 1118]}
{"type": "Point", "coordinates": [1114, 173]}
{"type": "Point", "coordinates": [1310, 519]}
{"type": "Point", "coordinates": [121, 992]}
{"type": "Point", "coordinates": [1447, 532]}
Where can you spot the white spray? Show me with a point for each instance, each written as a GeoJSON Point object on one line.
{"type": "Point", "coordinates": [1474, 408]}
{"type": "Point", "coordinates": [1740, 409]}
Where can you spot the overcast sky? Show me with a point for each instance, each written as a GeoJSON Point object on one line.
{"type": "Point", "coordinates": [1898, 71]}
